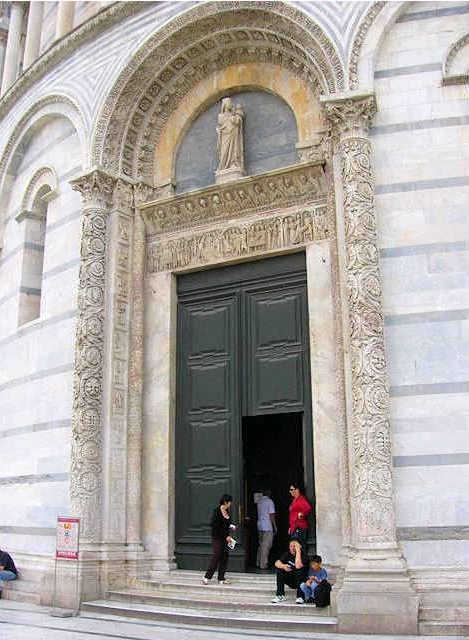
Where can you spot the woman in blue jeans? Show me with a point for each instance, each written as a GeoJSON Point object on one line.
{"type": "Point", "coordinates": [7, 569]}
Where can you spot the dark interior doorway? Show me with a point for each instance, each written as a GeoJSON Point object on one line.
{"type": "Point", "coordinates": [272, 458]}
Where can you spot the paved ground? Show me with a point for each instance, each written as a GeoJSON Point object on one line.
{"type": "Point", "coordinates": [28, 622]}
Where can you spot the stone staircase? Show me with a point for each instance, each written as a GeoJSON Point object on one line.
{"type": "Point", "coordinates": [444, 613]}
{"type": "Point", "coordinates": [180, 597]}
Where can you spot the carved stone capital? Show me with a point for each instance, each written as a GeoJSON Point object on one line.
{"type": "Point", "coordinates": [96, 188]}
{"type": "Point", "coordinates": [143, 193]}
{"type": "Point", "coordinates": [350, 115]}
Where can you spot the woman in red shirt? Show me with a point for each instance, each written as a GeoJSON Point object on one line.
{"type": "Point", "coordinates": [298, 517]}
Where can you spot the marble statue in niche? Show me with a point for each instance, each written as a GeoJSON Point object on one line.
{"type": "Point", "coordinates": [230, 142]}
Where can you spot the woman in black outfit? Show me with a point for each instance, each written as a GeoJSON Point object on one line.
{"type": "Point", "coordinates": [221, 526]}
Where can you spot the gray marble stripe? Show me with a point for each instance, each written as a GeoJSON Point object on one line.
{"type": "Point", "coordinates": [437, 123]}
{"type": "Point", "coordinates": [431, 460]}
{"type": "Point", "coordinates": [424, 249]}
{"type": "Point", "coordinates": [34, 478]}
{"type": "Point", "coordinates": [45, 373]}
{"type": "Point", "coordinates": [28, 531]}
{"type": "Point", "coordinates": [61, 267]}
{"type": "Point", "coordinates": [25, 245]}
{"type": "Point", "coordinates": [434, 13]}
{"type": "Point", "coordinates": [22, 331]}
{"type": "Point", "coordinates": [418, 185]}
{"type": "Point", "coordinates": [71, 173]}
{"type": "Point", "coordinates": [7, 296]}
{"type": "Point", "coordinates": [65, 220]}
{"type": "Point", "coordinates": [452, 315]}
{"type": "Point", "coordinates": [65, 177]}
{"type": "Point", "coordinates": [429, 389]}
{"type": "Point", "coordinates": [30, 291]}
{"type": "Point", "coordinates": [53, 143]}
{"type": "Point", "coordinates": [33, 428]}
{"type": "Point", "coordinates": [457, 532]}
{"type": "Point", "coordinates": [407, 71]}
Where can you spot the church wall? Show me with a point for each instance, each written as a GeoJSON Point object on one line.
{"type": "Point", "coordinates": [37, 357]}
{"type": "Point", "coordinates": [420, 137]}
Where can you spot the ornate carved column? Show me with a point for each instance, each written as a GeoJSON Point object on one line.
{"type": "Point", "coordinates": [12, 54]}
{"type": "Point", "coordinates": [33, 33]}
{"type": "Point", "coordinates": [86, 481]}
{"type": "Point", "coordinates": [376, 586]}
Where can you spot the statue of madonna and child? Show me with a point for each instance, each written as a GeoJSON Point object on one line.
{"type": "Point", "coordinates": [230, 143]}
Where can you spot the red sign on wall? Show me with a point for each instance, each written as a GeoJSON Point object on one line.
{"type": "Point", "coordinates": [68, 536]}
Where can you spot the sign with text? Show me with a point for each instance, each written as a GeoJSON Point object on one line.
{"type": "Point", "coordinates": [68, 535]}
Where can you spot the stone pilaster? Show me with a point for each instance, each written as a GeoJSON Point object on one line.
{"type": "Point", "coordinates": [142, 193]}
{"type": "Point", "coordinates": [33, 33]}
{"type": "Point", "coordinates": [12, 54]}
{"type": "Point", "coordinates": [117, 334]}
{"type": "Point", "coordinates": [65, 18]}
{"type": "Point", "coordinates": [86, 483]}
{"type": "Point", "coordinates": [376, 595]}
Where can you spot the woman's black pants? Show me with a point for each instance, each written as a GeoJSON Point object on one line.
{"type": "Point", "coordinates": [219, 559]}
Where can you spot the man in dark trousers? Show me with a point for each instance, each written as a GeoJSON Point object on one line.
{"type": "Point", "coordinates": [7, 569]}
{"type": "Point", "coordinates": [291, 570]}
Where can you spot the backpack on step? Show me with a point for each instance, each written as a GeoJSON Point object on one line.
{"type": "Point", "coordinates": [322, 594]}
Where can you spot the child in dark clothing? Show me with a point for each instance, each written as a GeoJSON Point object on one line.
{"type": "Point", "coordinates": [316, 574]}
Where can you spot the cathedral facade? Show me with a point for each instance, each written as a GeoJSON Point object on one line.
{"type": "Point", "coordinates": [230, 231]}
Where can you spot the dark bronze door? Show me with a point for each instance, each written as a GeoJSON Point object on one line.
{"type": "Point", "coordinates": [242, 351]}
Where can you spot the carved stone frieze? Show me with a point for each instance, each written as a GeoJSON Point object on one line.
{"type": "Point", "coordinates": [237, 240]}
{"type": "Point", "coordinates": [369, 431]}
{"type": "Point", "coordinates": [273, 190]}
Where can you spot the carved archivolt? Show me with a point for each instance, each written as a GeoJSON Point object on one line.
{"type": "Point", "coordinates": [454, 73]}
{"type": "Point", "coordinates": [363, 29]}
{"type": "Point", "coordinates": [42, 177]}
{"type": "Point", "coordinates": [210, 37]}
{"type": "Point", "coordinates": [266, 192]}
{"type": "Point", "coordinates": [239, 240]}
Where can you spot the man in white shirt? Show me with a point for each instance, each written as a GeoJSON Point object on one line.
{"type": "Point", "coordinates": [266, 527]}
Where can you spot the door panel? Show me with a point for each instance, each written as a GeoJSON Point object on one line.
{"type": "Point", "coordinates": [275, 349]}
{"type": "Point", "coordinates": [208, 420]}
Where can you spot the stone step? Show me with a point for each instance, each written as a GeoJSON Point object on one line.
{"type": "Point", "coordinates": [444, 614]}
{"type": "Point", "coordinates": [19, 593]}
{"type": "Point", "coordinates": [213, 601]}
{"type": "Point", "coordinates": [192, 587]}
{"type": "Point", "coordinates": [444, 628]}
{"type": "Point", "coordinates": [225, 618]}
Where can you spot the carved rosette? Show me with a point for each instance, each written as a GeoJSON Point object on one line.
{"type": "Point", "coordinates": [86, 467]}
{"type": "Point", "coordinates": [369, 433]}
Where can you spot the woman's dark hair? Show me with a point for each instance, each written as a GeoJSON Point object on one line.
{"type": "Point", "coordinates": [298, 484]}
{"type": "Point", "coordinates": [225, 498]}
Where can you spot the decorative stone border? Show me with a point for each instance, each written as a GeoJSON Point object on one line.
{"type": "Point", "coordinates": [239, 240]}
{"type": "Point", "coordinates": [270, 191]}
